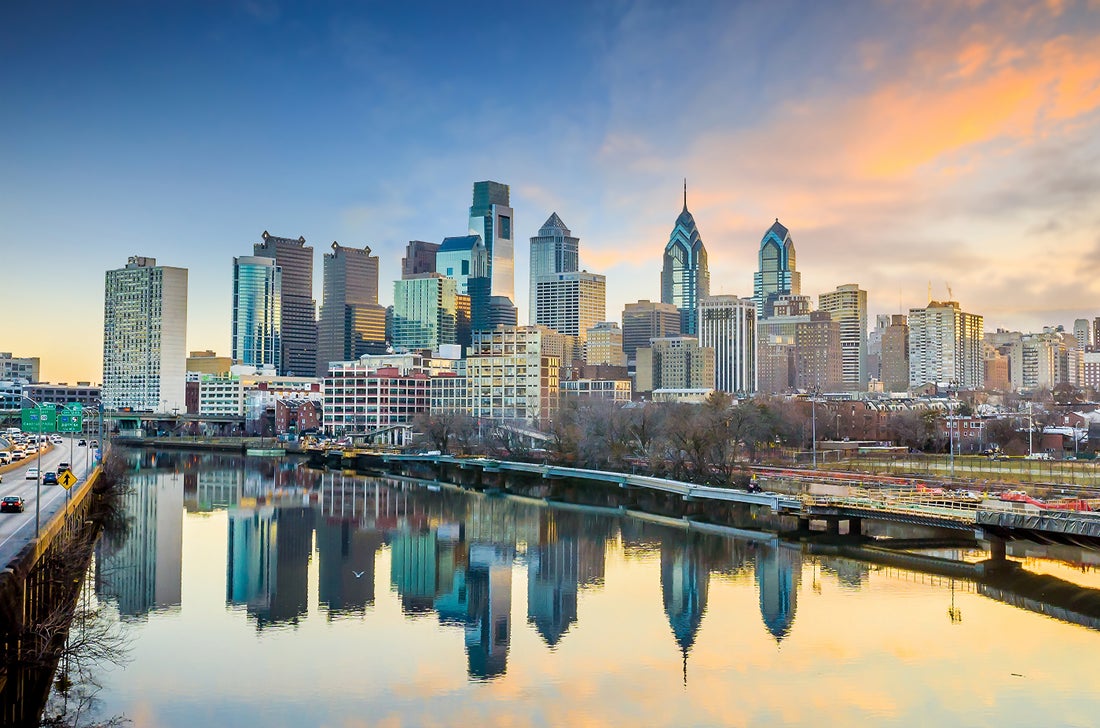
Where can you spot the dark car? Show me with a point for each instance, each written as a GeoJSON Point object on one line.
{"type": "Point", "coordinates": [11, 503]}
{"type": "Point", "coordinates": [49, 478]}
{"type": "Point", "coordinates": [82, 443]}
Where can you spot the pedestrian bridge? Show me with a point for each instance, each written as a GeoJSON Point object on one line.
{"type": "Point", "coordinates": [988, 518]}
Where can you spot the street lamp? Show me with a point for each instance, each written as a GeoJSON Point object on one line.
{"type": "Point", "coordinates": [38, 466]}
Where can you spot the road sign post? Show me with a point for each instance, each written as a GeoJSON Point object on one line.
{"type": "Point", "coordinates": [41, 418]}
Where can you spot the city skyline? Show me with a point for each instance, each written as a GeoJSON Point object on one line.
{"type": "Point", "coordinates": [942, 145]}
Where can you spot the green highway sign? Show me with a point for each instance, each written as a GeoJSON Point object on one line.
{"type": "Point", "coordinates": [39, 419]}
{"type": "Point", "coordinates": [71, 418]}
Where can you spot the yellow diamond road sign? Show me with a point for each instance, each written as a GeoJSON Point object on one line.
{"type": "Point", "coordinates": [66, 479]}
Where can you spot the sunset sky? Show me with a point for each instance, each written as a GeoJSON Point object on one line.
{"type": "Point", "coordinates": [904, 143]}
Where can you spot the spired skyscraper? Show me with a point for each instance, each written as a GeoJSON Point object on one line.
{"type": "Point", "coordinates": [685, 277]}
{"type": "Point", "coordinates": [553, 250]}
{"type": "Point", "coordinates": [491, 218]}
{"type": "Point", "coordinates": [776, 275]}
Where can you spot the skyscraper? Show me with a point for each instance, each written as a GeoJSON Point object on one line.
{"type": "Point", "coordinates": [298, 325]}
{"type": "Point", "coordinates": [776, 275]}
{"type": "Point", "coordinates": [685, 277]}
{"type": "Point", "coordinates": [945, 346]}
{"type": "Point", "coordinates": [144, 337]}
{"type": "Point", "coordinates": [424, 311]}
{"type": "Point", "coordinates": [257, 312]}
{"type": "Point", "coordinates": [352, 323]}
{"type": "Point", "coordinates": [727, 324]}
{"type": "Point", "coordinates": [646, 320]}
{"type": "Point", "coordinates": [570, 303]}
{"type": "Point", "coordinates": [553, 250]}
{"type": "Point", "coordinates": [491, 218]}
{"type": "Point", "coordinates": [848, 307]}
{"type": "Point", "coordinates": [419, 258]}
{"type": "Point", "coordinates": [462, 258]}
{"type": "Point", "coordinates": [895, 354]}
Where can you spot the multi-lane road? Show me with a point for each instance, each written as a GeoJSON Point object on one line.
{"type": "Point", "coordinates": [17, 529]}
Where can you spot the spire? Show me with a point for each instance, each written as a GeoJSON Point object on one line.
{"type": "Point", "coordinates": [685, 194]}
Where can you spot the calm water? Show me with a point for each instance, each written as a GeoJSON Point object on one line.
{"type": "Point", "coordinates": [264, 595]}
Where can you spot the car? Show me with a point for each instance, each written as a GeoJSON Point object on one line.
{"type": "Point", "coordinates": [82, 443]}
{"type": "Point", "coordinates": [5, 457]}
{"type": "Point", "coordinates": [49, 478]}
{"type": "Point", "coordinates": [32, 474]}
{"type": "Point", "coordinates": [56, 440]}
{"type": "Point", "coordinates": [12, 503]}
{"type": "Point", "coordinates": [63, 466]}
{"type": "Point", "coordinates": [95, 443]}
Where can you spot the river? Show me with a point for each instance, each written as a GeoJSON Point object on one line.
{"type": "Point", "coordinates": [251, 592]}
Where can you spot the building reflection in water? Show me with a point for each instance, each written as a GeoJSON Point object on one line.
{"type": "Point", "coordinates": [141, 569]}
{"type": "Point", "coordinates": [778, 578]}
{"type": "Point", "coordinates": [685, 580]}
{"type": "Point", "coordinates": [269, 551]}
{"type": "Point", "coordinates": [568, 555]}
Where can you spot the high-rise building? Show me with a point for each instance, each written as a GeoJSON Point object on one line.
{"type": "Point", "coordinates": [491, 219]}
{"type": "Point", "coordinates": [675, 362]}
{"type": "Point", "coordinates": [685, 277]}
{"type": "Point", "coordinates": [776, 275]}
{"type": "Point", "coordinates": [570, 303]}
{"type": "Point", "coordinates": [257, 312]}
{"type": "Point", "coordinates": [424, 312]}
{"type": "Point", "coordinates": [530, 393]}
{"type": "Point", "coordinates": [18, 367]}
{"type": "Point", "coordinates": [848, 306]}
{"type": "Point", "coordinates": [419, 258]}
{"type": "Point", "coordinates": [298, 325]}
{"type": "Point", "coordinates": [797, 349]}
{"type": "Point", "coordinates": [462, 258]}
{"type": "Point", "coordinates": [145, 337]}
{"type": "Point", "coordinates": [553, 250]}
{"type": "Point", "coordinates": [352, 323]}
{"type": "Point", "coordinates": [727, 324]}
{"type": "Point", "coordinates": [945, 346]}
{"type": "Point", "coordinates": [1082, 332]}
{"type": "Point", "coordinates": [604, 345]}
{"type": "Point", "coordinates": [646, 320]}
{"type": "Point", "coordinates": [895, 354]}
{"type": "Point", "coordinates": [874, 347]}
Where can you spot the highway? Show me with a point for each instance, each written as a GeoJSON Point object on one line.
{"type": "Point", "coordinates": [17, 529]}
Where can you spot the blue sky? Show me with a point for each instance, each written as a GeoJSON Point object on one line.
{"type": "Point", "coordinates": [903, 143]}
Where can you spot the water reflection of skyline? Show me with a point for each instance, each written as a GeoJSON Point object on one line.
{"type": "Point", "coordinates": [452, 557]}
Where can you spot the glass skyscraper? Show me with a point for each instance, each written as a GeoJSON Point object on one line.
{"type": "Point", "coordinates": [776, 275]}
{"type": "Point", "coordinates": [257, 312]}
{"type": "Point", "coordinates": [491, 218]}
{"type": "Point", "coordinates": [685, 277]}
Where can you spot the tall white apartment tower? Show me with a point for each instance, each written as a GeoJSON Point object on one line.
{"type": "Point", "coordinates": [848, 306]}
{"type": "Point", "coordinates": [144, 337]}
{"type": "Point", "coordinates": [570, 303]}
{"type": "Point", "coordinates": [945, 346]}
{"type": "Point", "coordinates": [727, 324]}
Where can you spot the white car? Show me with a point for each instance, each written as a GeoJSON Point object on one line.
{"type": "Point", "coordinates": [32, 474]}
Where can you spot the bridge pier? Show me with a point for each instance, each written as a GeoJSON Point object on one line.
{"type": "Point", "coordinates": [855, 526]}
{"type": "Point", "coordinates": [998, 549]}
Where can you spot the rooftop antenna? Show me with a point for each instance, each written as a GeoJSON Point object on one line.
{"type": "Point", "coordinates": [685, 194]}
{"type": "Point", "coordinates": [950, 295]}
{"type": "Point", "coordinates": [930, 291]}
